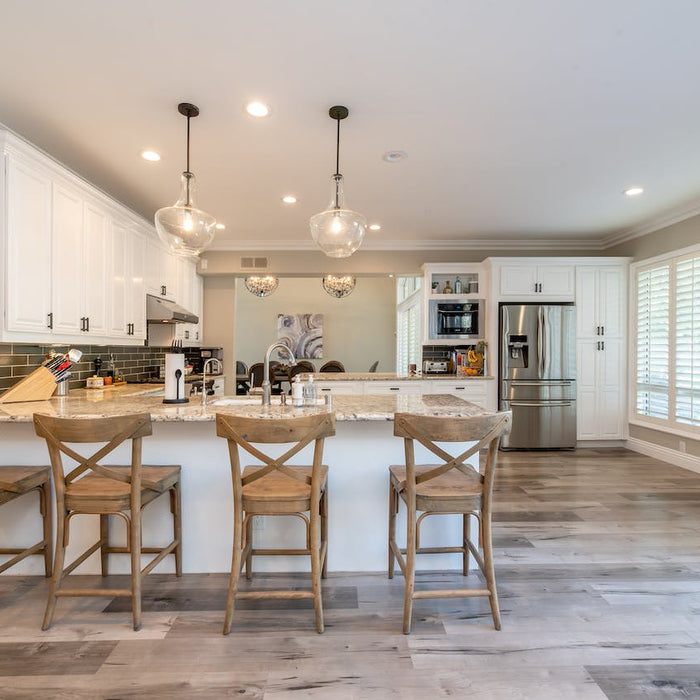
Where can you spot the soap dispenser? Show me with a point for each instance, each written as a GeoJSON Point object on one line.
{"type": "Point", "coordinates": [297, 392]}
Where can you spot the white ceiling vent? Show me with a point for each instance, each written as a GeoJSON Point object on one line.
{"type": "Point", "coordinates": [255, 263]}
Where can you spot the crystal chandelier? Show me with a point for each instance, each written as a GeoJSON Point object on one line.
{"type": "Point", "coordinates": [261, 286]}
{"type": "Point", "coordinates": [184, 228]}
{"type": "Point", "coordinates": [338, 231]}
{"type": "Point", "coordinates": [338, 287]}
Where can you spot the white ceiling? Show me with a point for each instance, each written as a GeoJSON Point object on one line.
{"type": "Point", "coordinates": [523, 120]}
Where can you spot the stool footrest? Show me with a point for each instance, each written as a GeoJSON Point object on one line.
{"type": "Point", "coordinates": [464, 593]}
{"type": "Point", "coordinates": [274, 594]}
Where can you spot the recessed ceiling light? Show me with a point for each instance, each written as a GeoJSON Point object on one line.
{"type": "Point", "coordinates": [374, 227]}
{"type": "Point", "coordinates": [289, 199]}
{"type": "Point", "coordinates": [152, 156]}
{"type": "Point", "coordinates": [394, 156]}
{"type": "Point", "coordinates": [257, 109]}
{"type": "Point", "coordinates": [220, 227]}
{"type": "Point", "coordinates": [633, 191]}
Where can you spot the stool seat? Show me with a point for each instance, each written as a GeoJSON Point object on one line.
{"type": "Point", "coordinates": [289, 495]}
{"type": "Point", "coordinates": [116, 495]}
{"type": "Point", "coordinates": [447, 492]}
{"type": "Point", "coordinates": [16, 481]}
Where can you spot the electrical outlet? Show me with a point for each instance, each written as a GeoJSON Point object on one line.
{"type": "Point", "coordinates": [258, 523]}
{"type": "Point", "coordinates": [681, 445]}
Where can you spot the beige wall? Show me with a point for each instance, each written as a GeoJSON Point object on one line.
{"type": "Point", "coordinates": [358, 329]}
{"type": "Point", "coordinates": [665, 240]}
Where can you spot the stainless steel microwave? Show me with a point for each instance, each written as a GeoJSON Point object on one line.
{"type": "Point", "coordinates": [458, 320]}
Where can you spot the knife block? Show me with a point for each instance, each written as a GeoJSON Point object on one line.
{"type": "Point", "coordinates": [38, 386]}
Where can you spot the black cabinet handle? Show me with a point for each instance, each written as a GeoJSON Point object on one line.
{"type": "Point", "coordinates": [49, 321]}
{"type": "Point", "coordinates": [602, 330]}
{"type": "Point", "coordinates": [163, 290]}
{"type": "Point", "coordinates": [87, 324]}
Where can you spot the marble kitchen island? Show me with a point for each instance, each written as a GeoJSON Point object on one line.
{"type": "Point", "coordinates": [358, 458]}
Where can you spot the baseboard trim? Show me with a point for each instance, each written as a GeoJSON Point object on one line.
{"type": "Point", "coordinates": [582, 444]}
{"type": "Point", "coordinates": [665, 454]}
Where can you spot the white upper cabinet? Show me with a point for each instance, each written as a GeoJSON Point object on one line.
{"type": "Point", "coordinates": [72, 264]}
{"type": "Point", "coordinates": [536, 280]}
{"type": "Point", "coordinates": [161, 270]}
{"type": "Point", "coordinates": [27, 223]}
{"type": "Point", "coordinates": [601, 292]}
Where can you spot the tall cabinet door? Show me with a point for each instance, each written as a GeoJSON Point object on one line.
{"type": "Point", "coordinates": [68, 266]}
{"type": "Point", "coordinates": [28, 249]}
{"type": "Point", "coordinates": [119, 286]}
{"type": "Point", "coordinates": [96, 270]}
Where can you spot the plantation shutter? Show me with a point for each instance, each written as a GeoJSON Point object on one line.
{"type": "Point", "coordinates": [687, 404]}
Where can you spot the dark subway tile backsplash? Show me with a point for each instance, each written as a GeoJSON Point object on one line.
{"type": "Point", "coordinates": [17, 361]}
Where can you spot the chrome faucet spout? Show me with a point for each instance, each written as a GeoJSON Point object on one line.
{"type": "Point", "coordinates": [204, 376]}
{"type": "Point", "coordinates": [267, 391]}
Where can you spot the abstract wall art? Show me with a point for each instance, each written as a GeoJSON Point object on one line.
{"type": "Point", "coordinates": [303, 333]}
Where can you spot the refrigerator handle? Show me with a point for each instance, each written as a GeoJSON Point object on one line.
{"type": "Point", "coordinates": [539, 405]}
{"type": "Point", "coordinates": [540, 364]}
{"type": "Point", "coordinates": [505, 329]}
{"type": "Point", "coordinates": [545, 340]}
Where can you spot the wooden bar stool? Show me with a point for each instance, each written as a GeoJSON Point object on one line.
{"type": "Point", "coordinates": [16, 482]}
{"type": "Point", "coordinates": [449, 487]}
{"type": "Point", "coordinates": [104, 490]}
{"type": "Point", "coordinates": [277, 488]}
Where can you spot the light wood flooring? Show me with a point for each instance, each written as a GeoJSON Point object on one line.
{"type": "Point", "coordinates": [598, 569]}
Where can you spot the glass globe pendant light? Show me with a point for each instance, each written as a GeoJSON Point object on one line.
{"type": "Point", "coordinates": [338, 231]}
{"type": "Point", "coordinates": [184, 228]}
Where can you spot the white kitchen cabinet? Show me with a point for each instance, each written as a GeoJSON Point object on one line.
{"type": "Point", "coordinates": [339, 388]}
{"type": "Point", "coordinates": [79, 264]}
{"type": "Point", "coordinates": [601, 305]}
{"type": "Point", "coordinates": [534, 280]}
{"type": "Point", "coordinates": [600, 408]}
{"type": "Point", "coordinates": [189, 296]}
{"type": "Point", "coordinates": [27, 223]}
{"type": "Point", "coordinates": [385, 388]}
{"type": "Point", "coordinates": [161, 270]}
{"type": "Point", "coordinates": [128, 298]}
{"type": "Point", "coordinates": [477, 391]}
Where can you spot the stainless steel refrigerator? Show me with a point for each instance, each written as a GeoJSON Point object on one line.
{"type": "Point", "coordinates": [537, 374]}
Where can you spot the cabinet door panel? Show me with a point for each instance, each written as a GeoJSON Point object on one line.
{"type": "Point", "coordinates": [67, 262]}
{"type": "Point", "coordinates": [118, 320]}
{"type": "Point", "coordinates": [518, 280]}
{"type": "Point", "coordinates": [587, 302]}
{"type": "Point", "coordinates": [96, 269]}
{"type": "Point", "coordinates": [612, 301]}
{"type": "Point", "coordinates": [136, 310]}
{"type": "Point", "coordinates": [556, 280]}
{"type": "Point", "coordinates": [28, 281]}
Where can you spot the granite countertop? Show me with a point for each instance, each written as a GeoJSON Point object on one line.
{"type": "Point", "coordinates": [387, 377]}
{"type": "Point", "coordinates": [138, 398]}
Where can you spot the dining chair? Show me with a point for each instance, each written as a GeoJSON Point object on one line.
{"type": "Point", "coordinates": [16, 482]}
{"type": "Point", "coordinates": [301, 367]}
{"type": "Point", "coordinates": [257, 375]}
{"type": "Point", "coordinates": [448, 486]}
{"type": "Point", "coordinates": [274, 487]}
{"type": "Point", "coordinates": [91, 487]}
{"type": "Point", "coordinates": [332, 366]}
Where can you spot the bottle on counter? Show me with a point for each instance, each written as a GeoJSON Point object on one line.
{"type": "Point", "coordinates": [458, 286]}
{"type": "Point", "coordinates": [297, 392]}
{"type": "Point", "coordinates": [310, 393]}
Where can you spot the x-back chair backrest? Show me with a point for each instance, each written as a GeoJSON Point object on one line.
{"type": "Point", "coordinates": [243, 432]}
{"type": "Point", "coordinates": [111, 431]}
{"type": "Point", "coordinates": [483, 431]}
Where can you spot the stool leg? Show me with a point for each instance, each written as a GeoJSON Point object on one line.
{"type": "Point", "coordinates": [46, 508]}
{"type": "Point", "coordinates": [135, 547]}
{"type": "Point", "coordinates": [316, 567]}
{"type": "Point", "coordinates": [324, 531]}
{"type": "Point", "coordinates": [235, 569]}
{"type": "Point", "coordinates": [393, 507]}
{"type": "Point", "coordinates": [176, 510]}
{"type": "Point", "coordinates": [466, 534]}
{"type": "Point", "coordinates": [104, 539]}
{"type": "Point", "coordinates": [410, 573]}
{"type": "Point", "coordinates": [58, 564]}
{"type": "Point", "coordinates": [488, 569]}
{"type": "Point", "coordinates": [249, 539]}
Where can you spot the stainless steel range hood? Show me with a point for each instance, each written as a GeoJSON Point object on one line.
{"type": "Point", "coordinates": [163, 311]}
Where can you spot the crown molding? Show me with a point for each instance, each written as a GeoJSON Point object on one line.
{"type": "Point", "coordinates": [544, 244]}
{"type": "Point", "coordinates": [657, 223]}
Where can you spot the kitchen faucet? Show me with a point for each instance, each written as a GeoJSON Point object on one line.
{"type": "Point", "coordinates": [266, 372]}
{"type": "Point", "coordinates": [204, 376]}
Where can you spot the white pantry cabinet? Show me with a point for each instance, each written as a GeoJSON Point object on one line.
{"type": "Point", "coordinates": [601, 305]}
{"type": "Point", "coordinates": [535, 280]}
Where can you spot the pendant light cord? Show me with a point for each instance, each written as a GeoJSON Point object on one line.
{"type": "Point", "coordinates": [337, 165]}
{"type": "Point", "coordinates": [188, 161]}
